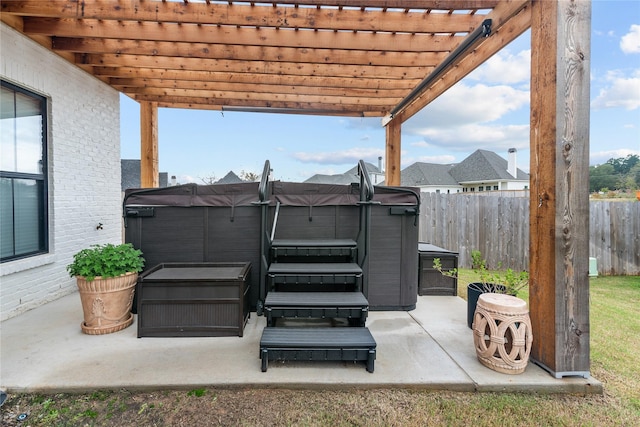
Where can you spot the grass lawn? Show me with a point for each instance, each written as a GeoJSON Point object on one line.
{"type": "Point", "coordinates": [615, 360]}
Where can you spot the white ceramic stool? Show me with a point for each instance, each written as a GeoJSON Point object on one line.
{"type": "Point", "coordinates": [502, 333]}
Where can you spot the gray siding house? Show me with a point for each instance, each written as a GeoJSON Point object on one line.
{"type": "Point", "coordinates": [483, 170]}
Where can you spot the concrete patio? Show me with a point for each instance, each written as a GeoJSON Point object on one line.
{"type": "Point", "coordinates": [430, 347]}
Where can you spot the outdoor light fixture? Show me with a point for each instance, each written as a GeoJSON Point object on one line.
{"type": "Point", "coordinates": [468, 43]}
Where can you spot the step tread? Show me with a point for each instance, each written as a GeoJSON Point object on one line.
{"type": "Point", "coordinates": [310, 268]}
{"type": "Point", "coordinates": [282, 337]}
{"type": "Point", "coordinates": [316, 299]}
{"type": "Point", "coordinates": [296, 243]}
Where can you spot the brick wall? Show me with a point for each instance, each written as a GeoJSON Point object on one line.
{"type": "Point", "coordinates": [84, 170]}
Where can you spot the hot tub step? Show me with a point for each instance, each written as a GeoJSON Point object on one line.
{"type": "Point", "coordinates": [318, 344]}
{"type": "Point", "coordinates": [319, 305]}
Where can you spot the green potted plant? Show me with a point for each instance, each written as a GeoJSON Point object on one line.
{"type": "Point", "coordinates": [506, 281]}
{"type": "Point", "coordinates": [106, 276]}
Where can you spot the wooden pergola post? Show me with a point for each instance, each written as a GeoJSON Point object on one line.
{"type": "Point", "coordinates": [392, 153]}
{"type": "Point", "coordinates": [149, 171]}
{"type": "Point", "coordinates": [559, 205]}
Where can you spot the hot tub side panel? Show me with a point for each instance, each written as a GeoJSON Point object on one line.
{"type": "Point", "coordinates": [172, 234]}
{"type": "Point", "coordinates": [393, 261]}
{"type": "Point", "coordinates": [234, 236]}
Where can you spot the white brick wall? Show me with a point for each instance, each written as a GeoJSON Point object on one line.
{"type": "Point", "coordinates": [84, 170]}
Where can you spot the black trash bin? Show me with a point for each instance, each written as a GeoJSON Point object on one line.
{"type": "Point", "coordinates": [430, 280]}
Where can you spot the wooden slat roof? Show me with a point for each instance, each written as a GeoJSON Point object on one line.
{"type": "Point", "coordinates": [330, 57]}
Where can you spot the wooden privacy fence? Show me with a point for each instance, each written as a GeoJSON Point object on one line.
{"type": "Point", "coordinates": [614, 237]}
{"type": "Point", "coordinates": [499, 228]}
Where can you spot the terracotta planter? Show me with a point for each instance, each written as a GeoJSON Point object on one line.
{"type": "Point", "coordinates": [106, 303]}
{"type": "Point", "coordinates": [638, 194]}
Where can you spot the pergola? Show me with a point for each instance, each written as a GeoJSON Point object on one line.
{"type": "Point", "coordinates": [363, 58]}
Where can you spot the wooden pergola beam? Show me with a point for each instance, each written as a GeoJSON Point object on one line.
{"type": "Point", "coordinates": [286, 68]}
{"type": "Point", "coordinates": [510, 19]}
{"type": "Point", "coordinates": [312, 108]}
{"type": "Point", "coordinates": [349, 19]}
{"type": "Point", "coordinates": [246, 53]}
{"type": "Point", "coordinates": [401, 4]}
{"type": "Point", "coordinates": [149, 170]}
{"type": "Point", "coordinates": [247, 78]}
{"type": "Point", "coordinates": [194, 33]}
{"type": "Point", "coordinates": [559, 206]}
{"type": "Point", "coordinates": [392, 173]}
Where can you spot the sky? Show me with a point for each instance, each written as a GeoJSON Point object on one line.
{"type": "Point", "coordinates": [487, 110]}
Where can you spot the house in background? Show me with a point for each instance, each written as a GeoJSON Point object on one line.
{"type": "Point", "coordinates": [430, 178]}
{"type": "Point", "coordinates": [130, 174]}
{"type": "Point", "coordinates": [483, 170]}
{"type": "Point", "coordinates": [376, 174]}
{"type": "Point", "coordinates": [230, 178]}
{"type": "Point", "coordinates": [486, 171]}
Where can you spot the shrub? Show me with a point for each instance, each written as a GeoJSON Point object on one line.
{"type": "Point", "coordinates": [106, 261]}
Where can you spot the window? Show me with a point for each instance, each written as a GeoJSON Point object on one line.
{"type": "Point", "coordinates": [495, 187]}
{"type": "Point", "coordinates": [23, 176]}
{"type": "Point", "coordinates": [481, 188]}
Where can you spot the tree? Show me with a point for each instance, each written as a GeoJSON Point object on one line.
{"type": "Point", "coordinates": [249, 176]}
{"type": "Point", "coordinates": [602, 176]}
{"type": "Point", "coordinates": [634, 176]}
{"type": "Point", "coordinates": [208, 180]}
{"type": "Point", "coordinates": [622, 173]}
{"type": "Point", "coordinates": [623, 166]}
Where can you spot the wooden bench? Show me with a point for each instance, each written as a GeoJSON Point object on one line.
{"type": "Point", "coordinates": [318, 344]}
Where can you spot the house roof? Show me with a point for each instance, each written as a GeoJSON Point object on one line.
{"type": "Point", "coordinates": [421, 174]}
{"type": "Point", "coordinates": [230, 178]}
{"type": "Point", "coordinates": [327, 57]}
{"type": "Point", "coordinates": [332, 179]}
{"type": "Point", "coordinates": [484, 165]}
{"type": "Point", "coordinates": [481, 165]}
{"type": "Point", "coordinates": [348, 177]}
{"type": "Point", "coordinates": [371, 168]}
{"type": "Point", "coordinates": [130, 175]}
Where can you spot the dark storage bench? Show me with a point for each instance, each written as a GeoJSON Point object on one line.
{"type": "Point", "coordinates": [430, 280]}
{"type": "Point", "coordinates": [193, 300]}
{"type": "Point", "coordinates": [318, 344]}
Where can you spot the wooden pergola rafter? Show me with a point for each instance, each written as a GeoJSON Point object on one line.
{"type": "Point", "coordinates": [354, 58]}
{"type": "Point", "coordinates": [363, 58]}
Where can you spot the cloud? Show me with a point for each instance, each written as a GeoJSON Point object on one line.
{"type": "Point", "coordinates": [465, 118]}
{"type": "Point", "coordinates": [473, 136]}
{"type": "Point", "coordinates": [630, 42]}
{"type": "Point", "coordinates": [185, 179]}
{"type": "Point", "coordinates": [601, 157]}
{"type": "Point", "coordinates": [421, 144]}
{"type": "Point", "coordinates": [505, 68]}
{"type": "Point", "coordinates": [622, 92]}
{"type": "Point", "coordinates": [351, 155]}
{"type": "Point", "coordinates": [464, 104]}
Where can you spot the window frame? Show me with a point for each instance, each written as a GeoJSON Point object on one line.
{"type": "Point", "coordinates": [41, 178]}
